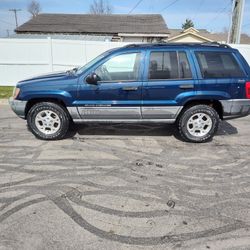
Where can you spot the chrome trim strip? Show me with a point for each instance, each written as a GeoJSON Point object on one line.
{"type": "Point", "coordinates": [109, 112]}
{"type": "Point", "coordinates": [170, 121]}
{"type": "Point", "coordinates": [236, 100]}
{"type": "Point", "coordinates": [165, 112]}
{"type": "Point", "coordinates": [135, 112]}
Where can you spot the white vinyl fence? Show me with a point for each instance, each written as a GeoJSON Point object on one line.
{"type": "Point", "coordinates": [244, 50]}
{"type": "Point", "coordinates": [23, 58]}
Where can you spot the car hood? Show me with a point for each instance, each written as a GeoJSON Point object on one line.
{"type": "Point", "coordinates": [48, 76]}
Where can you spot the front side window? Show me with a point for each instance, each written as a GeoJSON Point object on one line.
{"type": "Point", "coordinates": [92, 62]}
{"type": "Point", "coordinates": [169, 65]}
{"type": "Point", "coordinates": [218, 65]}
{"type": "Point", "coordinates": [123, 67]}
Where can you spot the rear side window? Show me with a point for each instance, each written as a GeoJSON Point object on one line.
{"type": "Point", "coordinates": [218, 65]}
{"type": "Point", "coordinates": [169, 65]}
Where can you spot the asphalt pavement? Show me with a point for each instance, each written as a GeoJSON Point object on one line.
{"type": "Point", "coordinates": [124, 187]}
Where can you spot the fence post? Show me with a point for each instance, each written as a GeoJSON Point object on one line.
{"type": "Point", "coordinates": [50, 54]}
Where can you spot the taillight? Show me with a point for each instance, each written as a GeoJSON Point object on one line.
{"type": "Point", "coordinates": [248, 90]}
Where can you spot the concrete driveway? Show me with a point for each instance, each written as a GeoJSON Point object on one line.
{"type": "Point", "coordinates": [124, 187]}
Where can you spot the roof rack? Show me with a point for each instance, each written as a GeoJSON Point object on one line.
{"type": "Point", "coordinates": [216, 44]}
{"type": "Point", "coordinates": [213, 44]}
{"type": "Point", "coordinates": [144, 45]}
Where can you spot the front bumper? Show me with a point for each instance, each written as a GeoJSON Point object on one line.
{"type": "Point", "coordinates": [235, 108]}
{"type": "Point", "coordinates": [18, 107]}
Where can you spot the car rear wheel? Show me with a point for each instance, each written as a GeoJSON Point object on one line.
{"type": "Point", "coordinates": [48, 121]}
{"type": "Point", "coordinates": [198, 123]}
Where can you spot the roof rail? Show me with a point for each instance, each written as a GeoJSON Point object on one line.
{"type": "Point", "coordinates": [214, 44]}
{"type": "Point", "coordinates": [144, 45]}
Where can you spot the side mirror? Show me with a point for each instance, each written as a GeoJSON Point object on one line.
{"type": "Point", "coordinates": [92, 78]}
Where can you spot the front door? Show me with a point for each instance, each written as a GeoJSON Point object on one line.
{"type": "Point", "coordinates": [117, 94]}
{"type": "Point", "coordinates": [169, 78]}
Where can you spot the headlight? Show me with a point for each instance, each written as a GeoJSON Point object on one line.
{"type": "Point", "coordinates": [16, 92]}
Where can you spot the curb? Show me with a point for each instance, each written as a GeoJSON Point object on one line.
{"type": "Point", "coordinates": [4, 102]}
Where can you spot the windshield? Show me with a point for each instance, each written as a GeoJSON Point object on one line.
{"type": "Point", "coordinates": [92, 62]}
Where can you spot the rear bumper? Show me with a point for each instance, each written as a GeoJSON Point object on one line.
{"type": "Point", "coordinates": [235, 108]}
{"type": "Point", "coordinates": [18, 107]}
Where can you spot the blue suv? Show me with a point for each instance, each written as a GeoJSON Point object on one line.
{"type": "Point", "coordinates": [191, 85]}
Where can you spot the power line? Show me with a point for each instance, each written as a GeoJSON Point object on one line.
{"type": "Point", "coordinates": [135, 6]}
{"type": "Point", "coordinates": [169, 5]}
{"type": "Point", "coordinates": [221, 11]}
{"type": "Point", "coordinates": [6, 22]}
{"type": "Point", "coordinates": [198, 9]}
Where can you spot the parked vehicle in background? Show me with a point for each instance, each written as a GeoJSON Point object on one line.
{"type": "Point", "coordinates": [191, 85]}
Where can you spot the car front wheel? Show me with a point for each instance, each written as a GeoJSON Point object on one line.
{"type": "Point", "coordinates": [198, 123]}
{"type": "Point", "coordinates": [48, 121]}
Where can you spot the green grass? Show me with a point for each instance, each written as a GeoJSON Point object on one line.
{"type": "Point", "coordinates": [5, 92]}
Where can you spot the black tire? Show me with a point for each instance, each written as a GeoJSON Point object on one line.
{"type": "Point", "coordinates": [60, 111]}
{"type": "Point", "coordinates": [187, 113]}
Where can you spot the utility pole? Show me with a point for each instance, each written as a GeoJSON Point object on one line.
{"type": "Point", "coordinates": [15, 12]}
{"type": "Point", "coordinates": [8, 33]}
{"type": "Point", "coordinates": [236, 23]}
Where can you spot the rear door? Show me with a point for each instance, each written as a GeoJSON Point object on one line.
{"type": "Point", "coordinates": [169, 76]}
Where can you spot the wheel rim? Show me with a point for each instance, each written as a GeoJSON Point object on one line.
{"type": "Point", "coordinates": [47, 122]}
{"type": "Point", "coordinates": [199, 124]}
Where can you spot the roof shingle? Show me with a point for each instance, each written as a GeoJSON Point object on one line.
{"type": "Point", "coordinates": [95, 24]}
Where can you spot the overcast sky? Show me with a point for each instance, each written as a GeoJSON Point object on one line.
{"type": "Point", "coordinates": [213, 15]}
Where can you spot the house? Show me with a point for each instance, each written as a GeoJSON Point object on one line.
{"type": "Point", "coordinates": [201, 35]}
{"type": "Point", "coordinates": [189, 35]}
{"type": "Point", "coordinates": [115, 27]}
{"type": "Point", "coordinates": [124, 28]}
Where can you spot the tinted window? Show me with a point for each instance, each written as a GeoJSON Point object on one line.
{"type": "Point", "coordinates": [123, 67]}
{"type": "Point", "coordinates": [218, 65]}
{"type": "Point", "coordinates": [169, 65]}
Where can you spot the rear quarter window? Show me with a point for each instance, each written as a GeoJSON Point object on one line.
{"type": "Point", "coordinates": [218, 65]}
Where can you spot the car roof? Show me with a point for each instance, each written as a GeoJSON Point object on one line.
{"type": "Point", "coordinates": [211, 45]}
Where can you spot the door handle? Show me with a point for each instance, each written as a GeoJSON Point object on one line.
{"type": "Point", "coordinates": [186, 86]}
{"type": "Point", "coordinates": [130, 88]}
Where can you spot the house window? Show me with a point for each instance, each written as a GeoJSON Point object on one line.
{"type": "Point", "coordinates": [218, 65]}
{"type": "Point", "coordinates": [169, 65]}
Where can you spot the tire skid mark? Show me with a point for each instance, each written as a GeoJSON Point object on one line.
{"type": "Point", "coordinates": [67, 208]}
{"type": "Point", "coordinates": [198, 191]}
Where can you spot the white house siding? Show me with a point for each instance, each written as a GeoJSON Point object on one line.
{"type": "Point", "coordinates": [189, 38]}
{"type": "Point", "coordinates": [23, 58]}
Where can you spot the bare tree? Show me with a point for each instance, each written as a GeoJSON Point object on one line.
{"type": "Point", "coordinates": [100, 7]}
{"type": "Point", "coordinates": [34, 8]}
